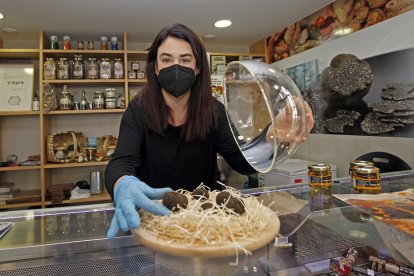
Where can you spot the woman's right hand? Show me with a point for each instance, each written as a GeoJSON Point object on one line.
{"type": "Point", "coordinates": [131, 194]}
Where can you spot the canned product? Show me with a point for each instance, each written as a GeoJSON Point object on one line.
{"type": "Point", "coordinates": [320, 175]}
{"type": "Point", "coordinates": [367, 179]}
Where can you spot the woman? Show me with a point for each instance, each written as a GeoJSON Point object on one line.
{"type": "Point", "coordinates": [170, 135]}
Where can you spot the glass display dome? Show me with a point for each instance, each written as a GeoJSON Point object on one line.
{"type": "Point", "coordinates": [266, 112]}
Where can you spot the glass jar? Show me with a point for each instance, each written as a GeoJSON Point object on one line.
{"type": "Point", "coordinates": [83, 103]}
{"type": "Point", "coordinates": [79, 45]}
{"type": "Point", "coordinates": [140, 75]}
{"type": "Point", "coordinates": [105, 69]}
{"type": "Point", "coordinates": [66, 43]}
{"type": "Point", "coordinates": [78, 67]}
{"type": "Point", "coordinates": [92, 69]}
{"type": "Point", "coordinates": [114, 43]}
{"type": "Point", "coordinates": [54, 44]}
{"type": "Point", "coordinates": [134, 65]}
{"type": "Point", "coordinates": [91, 45]}
{"type": "Point", "coordinates": [63, 69]}
{"type": "Point", "coordinates": [320, 175]}
{"type": "Point", "coordinates": [132, 75]}
{"type": "Point", "coordinates": [104, 43]}
{"type": "Point", "coordinates": [367, 179]}
{"type": "Point", "coordinates": [66, 99]}
{"type": "Point", "coordinates": [110, 98]}
{"type": "Point", "coordinates": [357, 164]}
{"type": "Point", "coordinates": [49, 69]}
{"type": "Point", "coordinates": [98, 100]}
{"type": "Point", "coordinates": [118, 69]}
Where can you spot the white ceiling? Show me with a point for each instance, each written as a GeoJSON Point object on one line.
{"type": "Point", "coordinates": [143, 19]}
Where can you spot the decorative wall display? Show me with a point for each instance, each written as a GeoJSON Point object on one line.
{"type": "Point", "coordinates": [304, 75]}
{"type": "Point", "coordinates": [337, 19]}
{"type": "Point", "coordinates": [16, 87]}
{"type": "Point", "coordinates": [374, 96]}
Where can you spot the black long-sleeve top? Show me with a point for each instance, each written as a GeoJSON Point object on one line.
{"type": "Point", "coordinates": [169, 161]}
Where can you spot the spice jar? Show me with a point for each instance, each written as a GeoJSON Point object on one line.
{"type": "Point", "coordinates": [356, 164]}
{"type": "Point", "coordinates": [63, 69]}
{"type": "Point", "coordinates": [134, 65]}
{"type": "Point", "coordinates": [49, 69]}
{"type": "Point", "coordinates": [91, 45]}
{"type": "Point", "coordinates": [79, 45]}
{"type": "Point", "coordinates": [104, 43]}
{"type": "Point", "coordinates": [98, 100]}
{"type": "Point", "coordinates": [110, 98]}
{"type": "Point", "coordinates": [114, 43]}
{"type": "Point", "coordinates": [66, 43]}
{"type": "Point", "coordinates": [367, 179]}
{"type": "Point", "coordinates": [118, 69]}
{"type": "Point", "coordinates": [140, 75]}
{"type": "Point", "coordinates": [92, 68]}
{"type": "Point", "coordinates": [132, 75]}
{"type": "Point", "coordinates": [78, 67]}
{"type": "Point", "coordinates": [66, 99]}
{"type": "Point", "coordinates": [320, 175]}
{"type": "Point", "coordinates": [105, 69]}
{"type": "Point", "coordinates": [54, 44]}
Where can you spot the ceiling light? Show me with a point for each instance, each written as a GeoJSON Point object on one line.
{"type": "Point", "coordinates": [10, 30]}
{"type": "Point", "coordinates": [1, 16]}
{"type": "Point", "coordinates": [209, 36]}
{"type": "Point", "coordinates": [222, 23]}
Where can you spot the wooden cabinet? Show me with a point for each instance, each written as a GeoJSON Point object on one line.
{"type": "Point", "coordinates": [24, 133]}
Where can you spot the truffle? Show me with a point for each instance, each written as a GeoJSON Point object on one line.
{"type": "Point", "coordinates": [236, 204]}
{"type": "Point", "coordinates": [174, 200]}
{"type": "Point", "coordinates": [206, 205]}
{"type": "Point", "coordinates": [200, 193]}
{"type": "Point", "coordinates": [222, 197]}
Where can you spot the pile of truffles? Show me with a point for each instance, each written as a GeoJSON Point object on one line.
{"type": "Point", "coordinates": [176, 201]}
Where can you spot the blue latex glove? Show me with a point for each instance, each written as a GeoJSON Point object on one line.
{"type": "Point", "coordinates": [131, 194]}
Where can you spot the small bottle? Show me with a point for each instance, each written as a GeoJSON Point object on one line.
{"type": "Point", "coordinates": [104, 43]}
{"type": "Point", "coordinates": [36, 102]}
{"type": "Point", "coordinates": [66, 43]}
{"type": "Point", "coordinates": [320, 175]}
{"type": "Point", "coordinates": [114, 43]}
{"type": "Point", "coordinates": [79, 45]}
{"type": "Point", "coordinates": [83, 103]}
{"type": "Point", "coordinates": [91, 45]}
{"type": "Point", "coordinates": [54, 44]}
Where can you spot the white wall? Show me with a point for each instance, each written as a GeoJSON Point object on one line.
{"type": "Point", "coordinates": [388, 36]}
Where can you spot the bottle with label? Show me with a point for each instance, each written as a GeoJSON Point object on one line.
{"type": "Point", "coordinates": [83, 103]}
{"type": "Point", "coordinates": [78, 67]}
{"type": "Point", "coordinates": [36, 102]}
{"type": "Point", "coordinates": [104, 43]}
{"type": "Point", "coordinates": [66, 43]}
{"type": "Point", "coordinates": [114, 43]}
{"type": "Point", "coordinates": [66, 99]}
{"type": "Point", "coordinates": [54, 44]}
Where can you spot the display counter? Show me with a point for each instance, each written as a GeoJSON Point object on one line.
{"type": "Point", "coordinates": [72, 240]}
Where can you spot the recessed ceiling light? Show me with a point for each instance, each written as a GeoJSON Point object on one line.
{"type": "Point", "coordinates": [1, 16]}
{"type": "Point", "coordinates": [222, 23]}
{"type": "Point", "coordinates": [10, 30]}
{"type": "Point", "coordinates": [209, 36]}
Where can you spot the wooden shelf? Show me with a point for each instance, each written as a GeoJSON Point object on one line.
{"type": "Point", "coordinates": [29, 198]}
{"type": "Point", "coordinates": [137, 80]}
{"type": "Point", "coordinates": [16, 54]}
{"type": "Point", "coordinates": [84, 81]}
{"type": "Point", "coordinates": [74, 165]}
{"type": "Point", "coordinates": [94, 198]}
{"type": "Point", "coordinates": [19, 113]}
{"type": "Point", "coordinates": [19, 168]}
{"type": "Point", "coordinates": [75, 112]}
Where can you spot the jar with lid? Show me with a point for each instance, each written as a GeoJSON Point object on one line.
{"type": "Point", "coordinates": [63, 67]}
{"type": "Point", "coordinates": [135, 65]}
{"type": "Point", "coordinates": [66, 99]}
{"type": "Point", "coordinates": [357, 164]}
{"type": "Point", "coordinates": [118, 69]}
{"type": "Point", "coordinates": [79, 45]}
{"type": "Point", "coordinates": [83, 103]}
{"type": "Point", "coordinates": [49, 69]}
{"type": "Point", "coordinates": [78, 67]}
{"type": "Point", "coordinates": [141, 75]}
{"type": "Point", "coordinates": [120, 102]}
{"type": "Point", "coordinates": [110, 98]}
{"type": "Point", "coordinates": [104, 43]}
{"type": "Point", "coordinates": [105, 69]}
{"type": "Point", "coordinates": [114, 43]}
{"type": "Point", "coordinates": [367, 179]}
{"type": "Point", "coordinates": [320, 175]}
{"type": "Point", "coordinates": [91, 45]}
{"type": "Point", "coordinates": [66, 43]}
{"type": "Point", "coordinates": [98, 100]}
{"type": "Point", "coordinates": [54, 44]}
{"type": "Point", "coordinates": [92, 68]}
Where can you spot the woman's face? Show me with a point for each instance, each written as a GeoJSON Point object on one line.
{"type": "Point", "coordinates": [175, 51]}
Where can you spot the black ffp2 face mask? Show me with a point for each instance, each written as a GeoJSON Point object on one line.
{"type": "Point", "coordinates": [176, 79]}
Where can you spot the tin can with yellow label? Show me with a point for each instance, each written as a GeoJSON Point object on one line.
{"type": "Point", "coordinates": [367, 179]}
{"type": "Point", "coordinates": [320, 175]}
{"type": "Point", "coordinates": [357, 164]}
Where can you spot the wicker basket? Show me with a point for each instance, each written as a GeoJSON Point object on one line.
{"type": "Point", "coordinates": [64, 147]}
{"type": "Point", "coordinates": [106, 146]}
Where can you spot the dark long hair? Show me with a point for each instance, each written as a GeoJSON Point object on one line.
{"type": "Point", "coordinates": [200, 111]}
